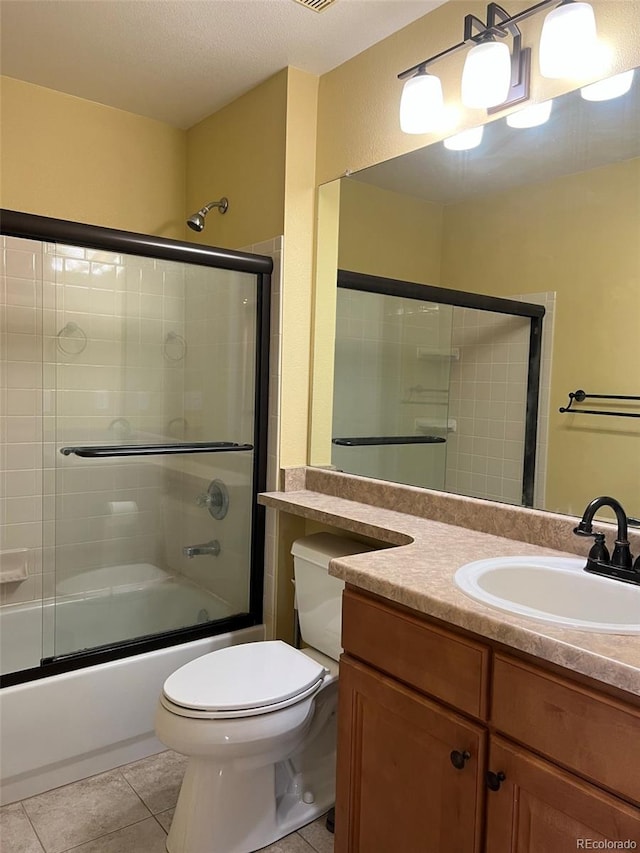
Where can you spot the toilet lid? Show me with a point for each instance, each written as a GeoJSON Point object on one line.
{"type": "Point", "coordinates": [243, 677]}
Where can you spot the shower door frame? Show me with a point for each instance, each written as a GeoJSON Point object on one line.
{"type": "Point", "coordinates": [34, 227]}
{"type": "Point", "coordinates": [350, 280]}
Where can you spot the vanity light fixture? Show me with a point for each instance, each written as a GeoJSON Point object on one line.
{"type": "Point", "coordinates": [531, 116]}
{"type": "Point", "coordinates": [496, 76]}
{"type": "Point", "coordinates": [568, 36]}
{"type": "Point", "coordinates": [612, 87]}
{"type": "Point", "coordinates": [486, 76]}
{"type": "Point", "coordinates": [422, 105]}
{"type": "Point", "coordinates": [465, 140]}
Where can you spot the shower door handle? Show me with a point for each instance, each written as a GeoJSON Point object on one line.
{"type": "Point", "coordinates": [109, 450]}
{"type": "Point", "coordinates": [379, 440]}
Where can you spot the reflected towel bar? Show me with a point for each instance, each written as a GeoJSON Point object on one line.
{"type": "Point", "coordinates": [579, 396]}
{"type": "Point", "coordinates": [103, 451]}
{"type": "Point", "coordinates": [371, 440]}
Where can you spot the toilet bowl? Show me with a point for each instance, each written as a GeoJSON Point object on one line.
{"type": "Point", "coordinates": [258, 723]}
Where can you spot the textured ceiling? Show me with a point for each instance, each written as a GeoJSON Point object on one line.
{"type": "Point", "coordinates": [178, 61]}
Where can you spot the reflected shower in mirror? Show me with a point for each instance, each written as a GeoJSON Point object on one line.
{"type": "Point", "coordinates": [547, 215]}
{"type": "Point", "coordinates": [426, 376]}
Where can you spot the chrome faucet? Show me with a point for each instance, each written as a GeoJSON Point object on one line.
{"type": "Point", "coordinates": [208, 549]}
{"type": "Point", "coordinates": [620, 564]}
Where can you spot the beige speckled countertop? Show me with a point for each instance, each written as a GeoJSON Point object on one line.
{"type": "Point", "coordinates": [417, 571]}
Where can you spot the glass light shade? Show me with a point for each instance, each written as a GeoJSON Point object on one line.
{"type": "Point", "coordinates": [531, 116]}
{"type": "Point", "coordinates": [612, 87]}
{"type": "Point", "coordinates": [422, 104]}
{"type": "Point", "coordinates": [465, 140]}
{"type": "Point", "coordinates": [486, 76]}
{"type": "Point", "coordinates": [568, 37]}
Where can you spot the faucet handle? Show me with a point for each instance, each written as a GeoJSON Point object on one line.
{"type": "Point", "coordinates": [215, 499]}
{"type": "Point", "coordinates": [599, 551]}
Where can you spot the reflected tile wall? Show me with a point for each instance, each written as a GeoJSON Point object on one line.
{"type": "Point", "coordinates": [488, 393]}
{"type": "Point", "coordinates": [391, 378]}
{"type": "Point", "coordinates": [488, 403]}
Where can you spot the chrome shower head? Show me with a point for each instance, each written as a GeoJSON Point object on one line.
{"type": "Point", "coordinates": [196, 222]}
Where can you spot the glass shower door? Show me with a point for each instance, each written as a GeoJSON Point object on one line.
{"type": "Point", "coordinates": [391, 387]}
{"type": "Point", "coordinates": [150, 413]}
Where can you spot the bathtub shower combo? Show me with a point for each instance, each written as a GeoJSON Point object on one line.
{"type": "Point", "coordinates": [134, 408]}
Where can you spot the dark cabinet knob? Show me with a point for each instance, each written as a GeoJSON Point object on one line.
{"type": "Point", "coordinates": [494, 780]}
{"type": "Point", "coordinates": [458, 759]}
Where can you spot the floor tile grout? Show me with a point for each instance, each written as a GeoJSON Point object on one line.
{"type": "Point", "coordinates": [155, 817]}
{"type": "Point", "coordinates": [119, 772]}
{"type": "Point", "coordinates": [31, 824]}
{"type": "Point", "coordinates": [308, 843]}
{"type": "Point", "coordinates": [151, 814]}
{"type": "Point", "coordinates": [92, 840]}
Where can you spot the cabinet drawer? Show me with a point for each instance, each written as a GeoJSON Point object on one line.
{"type": "Point", "coordinates": [592, 734]}
{"type": "Point", "coordinates": [429, 658]}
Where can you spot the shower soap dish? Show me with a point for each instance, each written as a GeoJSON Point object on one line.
{"type": "Point", "coordinates": [14, 565]}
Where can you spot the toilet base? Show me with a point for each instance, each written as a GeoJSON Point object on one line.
{"type": "Point", "coordinates": [222, 810]}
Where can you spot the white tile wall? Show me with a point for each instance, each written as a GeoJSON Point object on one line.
{"type": "Point", "coordinates": [485, 455]}
{"type": "Point", "coordinates": [21, 377]}
{"type": "Point", "coordinates": [96, 346]}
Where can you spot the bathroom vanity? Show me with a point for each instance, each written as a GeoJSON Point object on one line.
{"type": "Point", "coordinates": [463, 729]}
{"type": "Point", "coordinates": [469, 747]}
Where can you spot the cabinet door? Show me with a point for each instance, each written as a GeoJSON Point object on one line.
{"type": "Point", "coordinates": [539, 808]}
{"type": "Point", "coordinates": [397, 788]}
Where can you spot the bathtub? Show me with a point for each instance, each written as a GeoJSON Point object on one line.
{"type": "Point", "coordinates": [63, 728]}
{"type": "Point", "coordinates": [139, 600]}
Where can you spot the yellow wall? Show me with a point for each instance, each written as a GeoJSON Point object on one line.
{"type": "Point", "coordinates": [389, 234]}
{"type": "Point", "coordinates": [578, 236]}
{"type": "Point", "coordinates": [74, 159]}
{"type": "Point", "coordinates": [297, 265]}
{"type": "Point", "coordinates": [239, 152]}
{"type": "Point", "coordinates": [324, 323]}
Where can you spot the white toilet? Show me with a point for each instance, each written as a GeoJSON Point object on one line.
{"type": "Point", "coordinates": [258, 722]}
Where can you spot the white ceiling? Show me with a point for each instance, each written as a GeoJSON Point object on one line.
{"type": "Point", "coordinates": [178, 61]}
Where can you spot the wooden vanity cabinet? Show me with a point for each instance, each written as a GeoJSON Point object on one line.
{"type": "Point", "coordinates": [399, 790]}
{"type": "Point", "coordinates": [540, 808]}
{"type": "Point", "coordinates": [417, 699]}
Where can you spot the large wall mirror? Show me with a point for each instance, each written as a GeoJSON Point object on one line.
{"type": "Point", "coordinates": [547, 216]}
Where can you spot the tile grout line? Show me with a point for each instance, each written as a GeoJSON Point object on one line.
{"type": "Point", "coordinates": [151, 814]}
{"type": "Point", "coordinates": [31, 824]}
{"type": "Point", "coordinates": [308, 843]}
{"type": "Point", "coordinates": [155, 817]}
{"type": "Point", "coordinates": [106, 835]}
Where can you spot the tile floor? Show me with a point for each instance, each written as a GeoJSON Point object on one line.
{"type": "Point", "coordinates": [127, 810]}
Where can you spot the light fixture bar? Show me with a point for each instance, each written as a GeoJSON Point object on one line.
{"type": "Point", "coordinates": [492, 28]}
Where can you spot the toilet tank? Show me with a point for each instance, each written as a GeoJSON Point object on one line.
{"type": "Point", "coordinates": [318, 595]}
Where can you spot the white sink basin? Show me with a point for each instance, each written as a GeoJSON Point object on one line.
{"type": "Point", "coordinates": [554, 590]}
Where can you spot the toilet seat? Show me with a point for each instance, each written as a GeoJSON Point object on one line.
{"type": "Point", "coordinates": [242, 681]}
